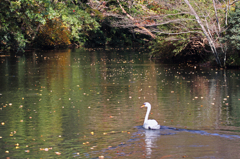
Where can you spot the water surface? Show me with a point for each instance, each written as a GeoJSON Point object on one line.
{"type": "Point", "coordinates": [85, 103]}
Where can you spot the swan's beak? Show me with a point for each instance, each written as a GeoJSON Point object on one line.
{"type": "Point", "coordinates": [142, 106]}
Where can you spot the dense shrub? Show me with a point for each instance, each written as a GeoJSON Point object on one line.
{"type": "Point", "coordinates": [53, 33]}
{"type": "Point", "coordinates": [232, 37]}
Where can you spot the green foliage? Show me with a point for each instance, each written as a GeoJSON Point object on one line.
{"type": "Point", "coordinates": [16, 23]}
{"type": "Point", "coordinates": [118, 36]}
{"type": "Point", "coordinates": [53, 33]}
{"type": "Point", "coordinates": [179, 32]}
{"type": "Point", "coordinates": [233, 59]}
{"type": "Point", "coordinates": [232, 37]}
{"type": "Point", "coordinates": [79, 21]}
{"type": "Point", "coordinates": [47, 23]}
{"type": "Point", "coordinates": [166, 47]}
{"type": "Point", "coordinates": [174, 36]}
{"type": "Point", "coordinates": [113, 36]}
{"type": "Point", "coordinates": [21, 21]}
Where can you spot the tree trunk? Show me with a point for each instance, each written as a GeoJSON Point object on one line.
{"type": "Point", "coordinates": [210, 40]}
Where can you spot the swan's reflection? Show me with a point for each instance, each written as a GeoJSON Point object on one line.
{"type": "Point", "coordinates": [150, 138]}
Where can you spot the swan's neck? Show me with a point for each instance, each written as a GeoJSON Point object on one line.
{"type": "Point", "coordinates": [147, 114]}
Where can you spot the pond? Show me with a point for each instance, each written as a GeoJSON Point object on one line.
{"type": "Point", "coordinates": [86, 103]}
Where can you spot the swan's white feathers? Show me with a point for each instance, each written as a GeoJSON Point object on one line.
{"type": "Point", "coordinates": [152, 122]}
{"type": "Point", "coordinates": [149, 123]}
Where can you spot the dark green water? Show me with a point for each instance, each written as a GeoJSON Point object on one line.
{"type": "Point", "coordinates": [85, 103]}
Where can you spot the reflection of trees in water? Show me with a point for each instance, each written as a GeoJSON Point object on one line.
{"type": "Point", "coordinates": [196, 96]}
{"type": "Point", "coordinates": [186, 96]}
{"type": "Point", "coordinates": [230, 112]}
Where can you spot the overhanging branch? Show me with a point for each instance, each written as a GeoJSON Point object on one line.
{"type": "Point", "coordinates": [137, 24]}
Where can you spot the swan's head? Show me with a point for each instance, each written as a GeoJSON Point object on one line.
{"type": "Point", "coordinates": [146, 104]}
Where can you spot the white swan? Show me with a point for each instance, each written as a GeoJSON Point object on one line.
{"type": "Point", "coordinates": [149, 124]}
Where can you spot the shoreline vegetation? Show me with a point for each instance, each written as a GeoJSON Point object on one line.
{"type": "Point", "coordinates": [192, 32]}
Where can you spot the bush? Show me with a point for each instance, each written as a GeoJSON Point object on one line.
{"type": "Point", "coordinates": [232, 37]}
{"type": "Point", "coordinates": [53, 33]}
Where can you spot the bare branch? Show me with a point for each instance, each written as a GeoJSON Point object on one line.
{"type": "Point", "coordinates": [233, 2]}
{"type": "Point", "coordinates": [210, 39]}
{"type": "Point", "coordinates": [215, 9]}
{"type": "Point", "coordinates": [126, 24]}
{"type": "Point", "coordinates": [130, 17]}
{"type": "Point", "coordinates": [178, 33]}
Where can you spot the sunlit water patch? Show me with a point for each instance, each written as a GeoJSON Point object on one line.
{"type": "Point", "coordinates": [85, 103]}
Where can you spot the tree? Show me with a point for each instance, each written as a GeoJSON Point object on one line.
{"type": "Point", "coordinates": [172, 21]}
{"type": "Point", "coordinates": [19, 23]}
{"type": "Point", "coordinates": [208, 34]}
{"type": "Point", "coordinates": [21, 20]}
{"type": "Point", "coordinates": [232, 36]}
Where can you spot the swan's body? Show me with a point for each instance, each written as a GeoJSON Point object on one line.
{"type": "Point", "coordinates": [149, 124]}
